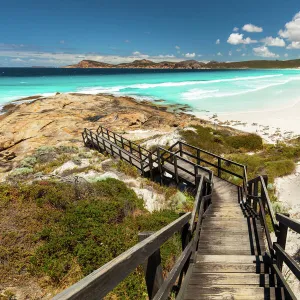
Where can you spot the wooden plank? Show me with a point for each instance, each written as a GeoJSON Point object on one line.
{"type": "Point", "coordinates": [220, 267]}
{"type": "Point", "coordinates": [245, 279]}
{"type": "Point", "coordinates": [236, 259]}
{"type": "Point", "coordinates": [97, 284]}
{"type": "Point", "coordinates": [233, 292]}
{"type": "Point", "coordinates": [223, 251]}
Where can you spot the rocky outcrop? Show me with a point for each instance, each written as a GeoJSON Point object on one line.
{"type": "Point", "coordinates": [60, 119]}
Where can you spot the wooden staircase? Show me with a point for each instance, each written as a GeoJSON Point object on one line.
{"type": "Point", "coordinates": [227, 250]}
{"type": "Point", "coordinates": [229, 261]}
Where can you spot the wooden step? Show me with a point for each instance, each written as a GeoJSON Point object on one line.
{"type": "Point", "coordinates": [220, 267]}
{"type": "Point", "coordinates": [234, 259]}
{"type": "Point", "coordinates": [233, 293]}
{"type": "Point", "coordinates": [225, 251]}
{"type": "Point", "coordinates": [245, 279]}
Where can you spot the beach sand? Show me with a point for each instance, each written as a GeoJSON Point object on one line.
{"type": "Point", "coordinates": [272, 125]}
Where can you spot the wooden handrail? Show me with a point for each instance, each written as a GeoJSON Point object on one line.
{"type": "Point", "coordinates": [289, 261]}
{"type": "Point", "coordinates": [284, 283]}
{"type": "Point", "coordinates": [290, 223]}
{"type": "Point", "coordinates": [178, 157]}
{"type": "Point", "coordinates": [120, 136]}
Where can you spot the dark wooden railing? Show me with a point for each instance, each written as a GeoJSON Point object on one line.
{"type": "Point", "coordinates": [259, 202]}
{"type": "Point", "coordinates": [93, 140]}
{"type": "Point", "coordinates": [103, 280]}
{"type": "Point", "coordinates": [181, 167]}
{"type": "Point", "coordinates": [124, 143]}
{"type": "Point", "coordinates": [217, 162]}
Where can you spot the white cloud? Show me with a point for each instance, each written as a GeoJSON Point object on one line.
{"type": "Point", "coordinates": [177, 47]}
{"type": "Point", "coordinates": [235, 29]}
{"type": "Point", "coordinates": [263, 51]}
{"type": "Point", "coordinates": [199, 55]}
{"type": "Point", "coordinates": [292, 29]}
{"type": "Point", "coordinates": [286, 55]}
{"type": "Point", "coordinates": [219, 54]}
{"type": "Point", "coordinates": [166, 56]}
{"type": "Point", "coordinates": [17, 60]}
{"type": "Point", "coordinates": [252, 28]}
{"type": "Point", "coordinates": [238, 38]}
{"type": "Point", "coordinates": [218, 41]}
{"type": "Point", "coordinates": [62, 42]}
{"type": "Point", "coordinates": [140, 55]}
{"type": "Point", "coordinates": [190, 55]}
{"type": "Point", "coordinates": [293, 45]}
{"type": "Point", "coordinates": [230, 53]}
{"type": "Point", "coordinates": [238, 49]}
{"type": "Point", "coordinates": [126, 41]}
{"type": "Point", "coordinates": [243, 54]}
{"type": "Point", "coordinates": [274, 42]}
{"type": "Point", "coordinates": [62, 59]}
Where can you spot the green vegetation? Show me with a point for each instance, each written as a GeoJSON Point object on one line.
{"type": "Point", "coordinates": [264, 159]}
{"type": "Point", "coordinates": [64, 231]}
{"type": "Point", "coordinates": [126, 168]}
{"type": "Point", "coordinates": [221, 141]}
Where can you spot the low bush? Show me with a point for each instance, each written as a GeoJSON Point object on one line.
{"type": "Point", "coordinates": [66, 231]}
{"type": "Point", "coordinates": [249, 142]}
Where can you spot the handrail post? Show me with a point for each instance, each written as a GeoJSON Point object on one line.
{"type": "Point", "coordinates": [198, 157]}
{"type": "Point", "coordinates": [115, 139]}
{"type": "Point", "coordinates": [175, 168]}
{"type": "Point", "coordinates": [91, 135]}
{"type": "Point", "coordinates": [150, 165]}
{"type": "Point", "coordinates": [219, 167]}
{"type": "Point", "coordinates": [255, 193]}
{"type": "Point", "coordinates": [159, 165]}
{"type": "Point", "coordinates": [196, 173]}
{"type": "Point", "coordinates": [281, 240]}
{"type": "Point", "coordinates": [98, 144]}
{"type": "Point", "coordinates": [180, 148]}
{"type": "Point", "coordinates": [152, 269]}
{"type": "Point", "coordinates": [140, 152]}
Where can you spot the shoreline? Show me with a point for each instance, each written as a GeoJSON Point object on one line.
{"type": "Point", "coordinates": [273, 125]}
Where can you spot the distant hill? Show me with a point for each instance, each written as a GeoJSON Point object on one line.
{"type": "Point", "coordinates": [192, 64]}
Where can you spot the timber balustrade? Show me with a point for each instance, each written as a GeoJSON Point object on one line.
{"type": "Point", "coordinates": [105, 279]}
{"type": "Point", "coordinates": [217, 162]}
{"type": "Point", "coordinates": [258, 200]}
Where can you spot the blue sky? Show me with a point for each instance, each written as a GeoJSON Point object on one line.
{"type": "Point", "coordinates": [60, 32]}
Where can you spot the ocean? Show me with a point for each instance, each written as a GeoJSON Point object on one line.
{"type": "Point", "coordinates": [215, 91]}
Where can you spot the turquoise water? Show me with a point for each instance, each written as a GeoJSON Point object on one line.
{"type": "Point", "coordinates": [214, 91]}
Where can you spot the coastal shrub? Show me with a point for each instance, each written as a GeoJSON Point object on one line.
{"type": "Point", "coordinates": [126, 168]}
{"type": "Point", "coordinates": [97, 229]}
{"type": "Point", "coordinates": [249, 142]}
{"type": "Point", "coordinates": [65, 237]}
{"type": "Point", "coordinates": [279, 168]}
{"type": "Point", "coordinates": [28, 162]}
{"type": "Point", "coordinates": [20, 172]}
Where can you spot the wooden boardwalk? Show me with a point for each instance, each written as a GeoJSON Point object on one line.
{"type": "Point", "coordinates": [229, 259]}
{"type": "Point", "coordinates": [227, 248]}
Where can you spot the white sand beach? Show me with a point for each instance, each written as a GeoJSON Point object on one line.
{"type": "Point", "coordinates": [271, 125]}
